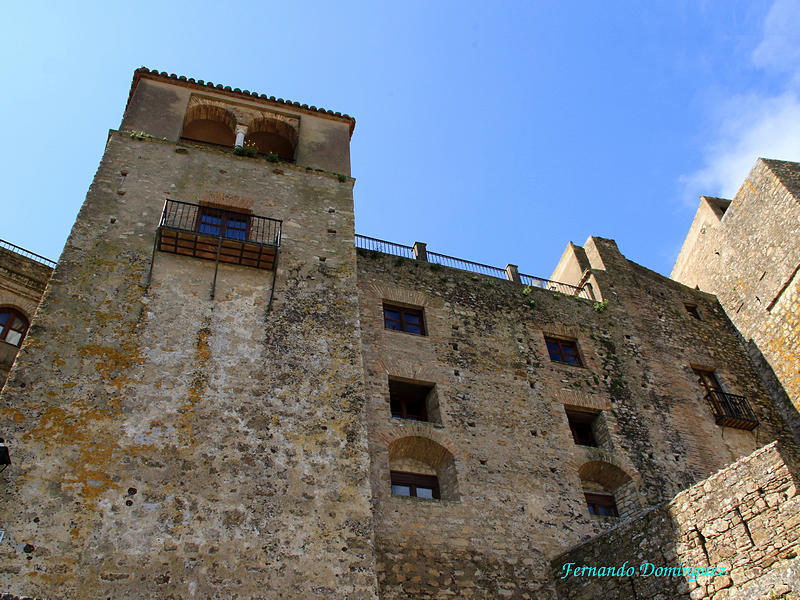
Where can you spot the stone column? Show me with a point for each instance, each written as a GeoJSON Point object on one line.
{"type": "Point", "coordinates": [241, 131]}
{"type": "Point", "coordinates": [421, 251]}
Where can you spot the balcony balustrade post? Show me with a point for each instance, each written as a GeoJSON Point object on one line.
{"type": "Point", "coordinates": [512, 273]}
{"type": "Point", "coordinates": [421, 251]}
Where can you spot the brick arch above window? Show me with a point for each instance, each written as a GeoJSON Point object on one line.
{"type": "Point", "coordinates": [430, 457]}
{"type": "Point", "coordinates": [209, 124]}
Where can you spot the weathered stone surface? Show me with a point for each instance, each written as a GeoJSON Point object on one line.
{"type": "Point", "coordinates": [239, 426]}
{"type": "Point", "coordinates": [520, 478]}
{"type": "Point", "coordinates": [747, 252]}
{"type": "Point", "coordinates": [721, 523]}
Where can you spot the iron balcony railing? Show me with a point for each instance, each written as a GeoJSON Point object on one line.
{"type": "Point", "coordinates": [217, 222]}
{"type": "Point", "coordinates": [555, 286]}
{"type": "Point", "coordinates": [376, 245]}
{"type": "Point", "coordinates": [221, 235]}
{"type": "Point", "coordinates": [731, 410]}
{"type": "Point", "coordinates": [27, 254]}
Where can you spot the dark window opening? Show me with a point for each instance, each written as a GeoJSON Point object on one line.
{"type": "Point", "coordinates": [403, 319]}
{"type": "Point", "coordinates": [601, 505]}
{"type": "Point", "coordinates": [581, 424]}
{"type": "Point", "coordinates": [708, 380]}
{"type": "Point", "coordinates": [563, 351]}
{"type": "Point", "coordinates": [692, 310]}
{"type": "Point", "coordinates": [415, 485]}
{"type": "Point", "coordinates": [409, 400]}
{"type": "Point", "coordinates": [223, 223]}
{"type": "Point", "coordinates": [13, 326]}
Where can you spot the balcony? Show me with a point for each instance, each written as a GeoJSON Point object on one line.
{"type": "Point", "coordinates": [731, 410]}
{"type": "Point", "coordinates": [213, 233]}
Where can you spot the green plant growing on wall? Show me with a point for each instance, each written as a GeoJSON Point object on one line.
{"type": "Point", "coordinates": [249, 149]}
{"type": "Point", "coordinates": [532, 303]}
{"type": "Point", "coordinates": [341, 178]}
{"type": "Point", "coordinates": [474, 278]}
{"type": "Point", "coordinates": [618, 388]}
{"type": "Point", "coordinates": [271, 157]}
{"type": "Point", "coordinates": [600, 306]}
{"type": "Point", "coordinates": [526, 291]}
{"type": "Point", "coordinates": [488, 283]}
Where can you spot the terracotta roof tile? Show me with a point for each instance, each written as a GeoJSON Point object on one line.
{"type": "Point", "coordinates": [198, 84]}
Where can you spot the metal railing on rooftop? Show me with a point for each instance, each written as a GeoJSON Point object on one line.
{"type": "Point", "coordinates": [384, 247]}
{"type": "Point", "coordinates": [555, 286]}
{"type": "Point", "coordinates": [466, 265]}
{"type": "Point", "coordinates": [27, 254]}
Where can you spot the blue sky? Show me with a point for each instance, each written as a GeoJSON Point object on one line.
{"type": "Point", "coordinates": [494, 132]}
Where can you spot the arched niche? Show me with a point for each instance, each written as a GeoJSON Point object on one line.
{"type": "Point", "coordinates": [210, 125]}
{"type": "Point", "coordinates": [271, 136]}
{"type": "Point", "coordinates": [423, 456]}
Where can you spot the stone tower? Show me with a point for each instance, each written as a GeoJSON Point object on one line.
{"type": "Point", "coordinates": [185, 418]}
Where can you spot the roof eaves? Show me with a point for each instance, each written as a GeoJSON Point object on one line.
{"type": "Point", "coordinates": [219, 88]}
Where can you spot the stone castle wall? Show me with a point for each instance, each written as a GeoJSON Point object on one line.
{"type": "Point", "coordinates": [519, 476]}
{"type": "Point", "coordinates": [748, 254]}
{"type": "Point", "coordinates": [742, 525]}
{"type": "Point", "coordinates": [170, 445]}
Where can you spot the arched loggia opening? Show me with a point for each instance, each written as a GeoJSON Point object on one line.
{"type": "Point", "coordinates": [210, 125]}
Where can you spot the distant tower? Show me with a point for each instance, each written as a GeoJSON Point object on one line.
{"type": "Point", "coordinates": [185, 419]}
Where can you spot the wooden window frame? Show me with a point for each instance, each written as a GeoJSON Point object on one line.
{"type": "Point", "coordinates": [402, 325]}
{"type": "Point", "coordinates": [400, 397]}
{"type": "Point", "coordinates": [562, 343]}
{"type": "Point", "coordinates": [595, 501]}
{"type": "Point", "coordinates": [5, 327]}
{"type": "Point", "coordinates": [225, 216]}
{"type": "Point", "coordinates": [415, 480]}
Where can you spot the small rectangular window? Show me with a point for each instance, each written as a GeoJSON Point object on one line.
{"type": "Point", "coordinates": [563, 351]}
{"type": "Point", "coordinates": [582, 425]}
{"type": "Point", "coordinates": [401, 318]}
{"type": "Point", "coordinates": [601, 505]}
{"type": "Point", "coordinates": [692, 310]}
{"type": "Point", "coordinates": [414, 485]}
{"type": "Point", "coordinates": [409, 400]}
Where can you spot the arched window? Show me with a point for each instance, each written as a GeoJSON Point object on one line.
{"type": "Point", "coordinates": [271, 136]}
{"type": "Point", "coordinates": [13, 326]}
{"type": "Point", "coordinates": [422, 468]}
{"type": "Point", "coordinates": [209, 125]}
{"type": "Point", "coordinates": [608, 490]}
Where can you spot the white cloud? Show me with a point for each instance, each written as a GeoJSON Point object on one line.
{"type": "Point", "coordinates": [751, 125]}
{"type": "Point", "coordinates": [780, 48]}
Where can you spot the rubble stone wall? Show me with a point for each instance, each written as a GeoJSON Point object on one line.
{"type": "Point", "coordinates": [736, 534]}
